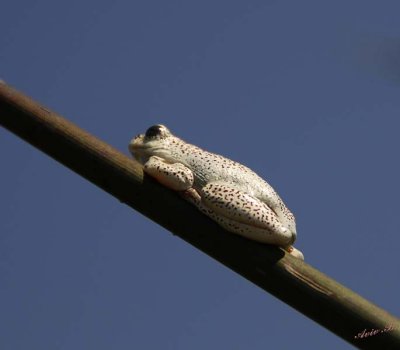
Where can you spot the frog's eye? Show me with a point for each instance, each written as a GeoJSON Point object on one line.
{"type": "Point", "coordinates": [153, 131]}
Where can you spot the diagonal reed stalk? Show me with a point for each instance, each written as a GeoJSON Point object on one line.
{"type": "Point", "coordinates": [296, 283]}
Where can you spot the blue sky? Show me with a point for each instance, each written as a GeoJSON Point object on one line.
{"type": "Point", "coordinates": [305, 93]}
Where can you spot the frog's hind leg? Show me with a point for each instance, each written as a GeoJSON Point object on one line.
{"type": "Point", "coordinates": [240, 213]}
{"type": "Point", "coordinates": [262, 235]}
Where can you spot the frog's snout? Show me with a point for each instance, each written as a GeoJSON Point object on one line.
{"type": "Point", "coordinates": [131, 147]}
{"type": "Point", "coordinates": [135, 142]}
{"type": "Point", "coordinates": [134, 146]}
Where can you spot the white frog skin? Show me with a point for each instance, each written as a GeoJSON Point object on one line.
{"type": "Point", "coordinates": [228, 192]}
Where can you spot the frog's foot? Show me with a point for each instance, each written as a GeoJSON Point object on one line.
{"type": "Point", "coordinates": [294, 252]}
{"type": "Point", "coordinates": [240, 213]}
{"type": "Point", "coordinates": [191, 195]}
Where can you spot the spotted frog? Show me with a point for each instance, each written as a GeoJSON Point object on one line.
{"type": "Point", "coordinates": [228, 192]}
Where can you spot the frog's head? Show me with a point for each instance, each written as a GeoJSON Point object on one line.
{"type": "Point", "coordinates": [155, 142]}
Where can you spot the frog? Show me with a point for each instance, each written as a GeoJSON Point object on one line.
{"type": "Point", "coordinates": [228, 192]}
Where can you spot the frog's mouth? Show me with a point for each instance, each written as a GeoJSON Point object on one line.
{"type": "Point", "coordinates": [138, 149]}
{"type": "Point", "coordinates": [142, 149]}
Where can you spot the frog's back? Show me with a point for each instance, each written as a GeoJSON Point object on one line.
{"type": "Point", "coordinates": [209, 167]}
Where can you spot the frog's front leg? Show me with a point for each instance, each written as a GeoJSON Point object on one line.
{"type": "Point", "coordinates": [240, 213]}
{"type": "Point", "coordinates": [175, 176]}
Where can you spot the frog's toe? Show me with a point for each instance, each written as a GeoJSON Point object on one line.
{"type": "Point", "coordinates": [286, 233]}
{"type": "Point", "coordinates": [294, 252]}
